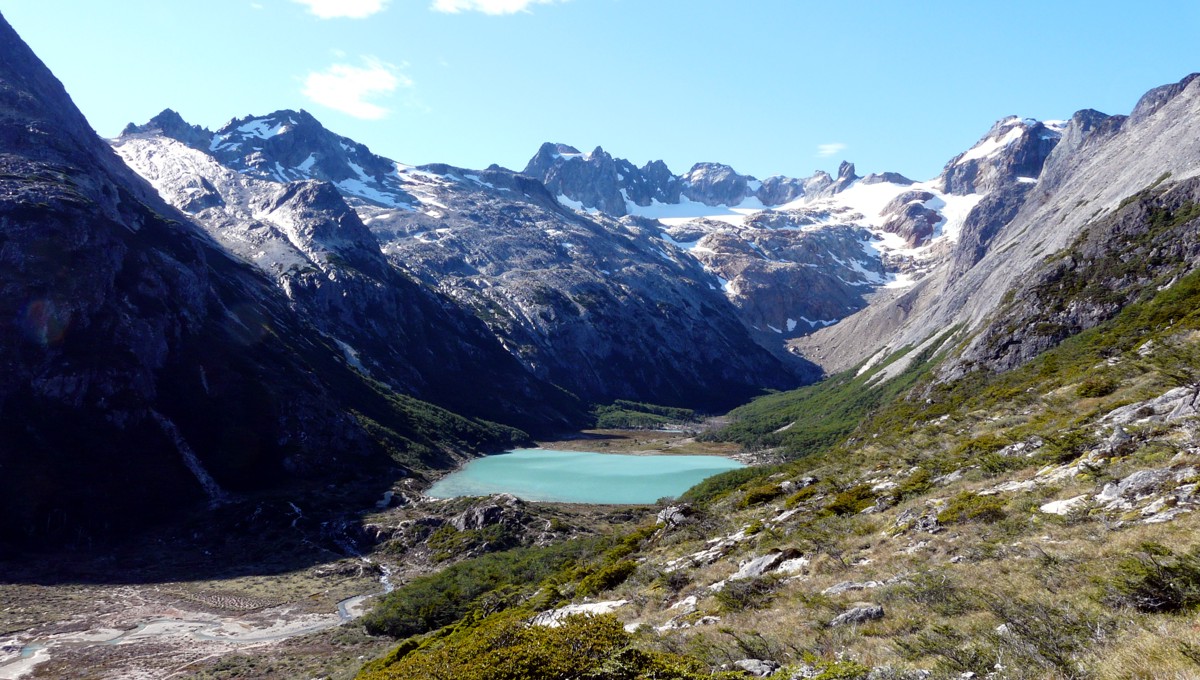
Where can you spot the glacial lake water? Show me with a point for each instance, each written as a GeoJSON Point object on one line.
{"type": "Point", "coordinates": [580, 477]}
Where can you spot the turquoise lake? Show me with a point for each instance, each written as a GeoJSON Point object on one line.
{"type": "Point", "coordinates": [580, 477]}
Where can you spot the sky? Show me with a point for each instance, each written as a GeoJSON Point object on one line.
{"type": "Point", "coordinates": [766, 86]}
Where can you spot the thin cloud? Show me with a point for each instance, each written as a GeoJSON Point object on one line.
{"type": "Point", "coordinates": [347, 88]}
{"type": "Point", "coordinates": [343, 9]}
{"type": "Point", "coordinates": [486, 6]}
{"type": "Point", "coordinates": [826, 150]}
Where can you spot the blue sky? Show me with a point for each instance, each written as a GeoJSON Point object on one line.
{"type": "Point", "coordinates": [768, 86]}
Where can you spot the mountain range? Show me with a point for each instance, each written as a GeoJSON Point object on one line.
{"type": "Point", "coordinates": [296, 289]}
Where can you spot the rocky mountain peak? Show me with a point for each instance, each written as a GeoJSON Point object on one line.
{"type": "Point", "coordinates": [269, 146]}
{"type": "Point", "coordinates": [546, 156]}
{"type": "Point", "coordinates": [1014, 149]}
{"type": "Point", "coordinates": [170, 124]}
{"type": "Point", "coordinates": [845, 177]}
{"type": "Point", "coordinates": [1084, 128]}
{"type": "Point", "coordinates": [716, 184]}
{"type": "Point", "coordinates": [1155, 99]}
{"type": "Point", "coordinates": [887, 177]}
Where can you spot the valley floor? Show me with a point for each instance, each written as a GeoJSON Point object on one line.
{"type": "Point", "coordinates": [144, 610]}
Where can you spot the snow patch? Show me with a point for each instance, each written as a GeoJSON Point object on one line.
{"type": "Point", "coordinates": [262, 129]}
{"type": "Point", "coordinates": [992, 146]}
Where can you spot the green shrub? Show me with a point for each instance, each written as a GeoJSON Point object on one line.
{"type": "Point", "coordinates": [971, 507]}
{"type": "Point", "coordinates": [914, 485]}
{"type": "Point", "coordinates": [842, 670]}
{"type": "Point", "coordinates": [632, 415]}
{"type": "Point", "coordinates": [606, 577]}
{"type": "Point", "coordinates": [504, 647]}
{"type": "Point", "coordinates": [1158, 579]}
{"type": "Point", "coordinates": [719, 486]}
{"type": "Point", "coordinates": [744, 594]}
{"type": "Point", "coordinates": [760, 494]}
{"type": "Point", "coordinates": [1097, 386]}
{"type": "Point", "coordinates": [800, 496]}
{"type": "Point", "coordinates": [851, 501]}
{"type": "Point", "coordinates": [430, 602]}
{"type": "Point", "coordinates": [446, 542]}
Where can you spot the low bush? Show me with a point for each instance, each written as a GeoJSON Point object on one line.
{"type": "Point", "coordinates": [430, 602]}
{"type": "Point", "coordinates": [760, 494]}
{"type": "Point", "coordinates": [851, 501]}
{"type": "Point", "coordinates": [718, 486]}
{"type": "Point", "coordinates": [606, 577]}
{"type": "Point", "coordinates": [971, 507]}
{"type": "Point", "coordinates": [1157, 579]}
{"type": "Point", "coordinates": [800, 496]}
{"type": "Point", "coordinates": [505, 647]}
{"type": "Point", "coordinates": [744, 594]}
{"type": "Point", "coordinates": [1097, 386]}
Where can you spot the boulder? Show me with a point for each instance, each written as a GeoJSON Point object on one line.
{"type": "Point", "coordinates": [759, 668]}
{"type": "Point", "coordinates": [674, 515]}
{"type": "Point", "coordinates": [502, 507]}
{"type": "Point", "coordinates": [1065, 507]}
{"type": "Point", "coordinates": [847, 586]}
{"type": "Point", "coordinates": [553, 618]}
{"type": "Point", "coordinates": [762, 564]}
{"type": "Point", "coordinates": [859, 613]}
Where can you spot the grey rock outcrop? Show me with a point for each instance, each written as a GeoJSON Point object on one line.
{"type": "Point", "coordinates": [674, 515]}
{"type": "Point", "coordinates": [888, 177]}
{"type": "Point", "coordinates": [758, 566]}
{"type": "Point", "coordinates": [601, 182]}
{"type": "Point", "coordinates": [716, 184]}
{"type": "Point", "coordinates": [858, 614]}
{"type": "Point", "coordinates": [1138, 485]}
{"type": "Point", "coordinates": [909, 217]}
{"type": "Point", "coordinates": [778, 190]}
{"type": "Point", "coordinates": [502, 509]}
{"type": "Point", "coordinates": [598, 181]}
{"type": "Point", "coordinates": [787, 281]}
{"type": "Point", "coordinates": [758, 668]}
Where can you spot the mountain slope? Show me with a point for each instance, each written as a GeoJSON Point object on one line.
{"type": "Point", "coordinates": [329, 264]}
{"type": "Point", "coordinates": [146, 370]}
{"type": "Point", "coordinates": [1104, 160]}
{"type": "Point", "coordinates": [594, 305]}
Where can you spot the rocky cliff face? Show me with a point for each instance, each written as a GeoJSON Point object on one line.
{"type": "Point", "coordinates": [1013, 150]}
{"type": "Point", "coordinates": [1146, 244]}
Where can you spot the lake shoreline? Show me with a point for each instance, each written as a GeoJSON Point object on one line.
{"type": "Point", "coordinates": [543, 475]}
